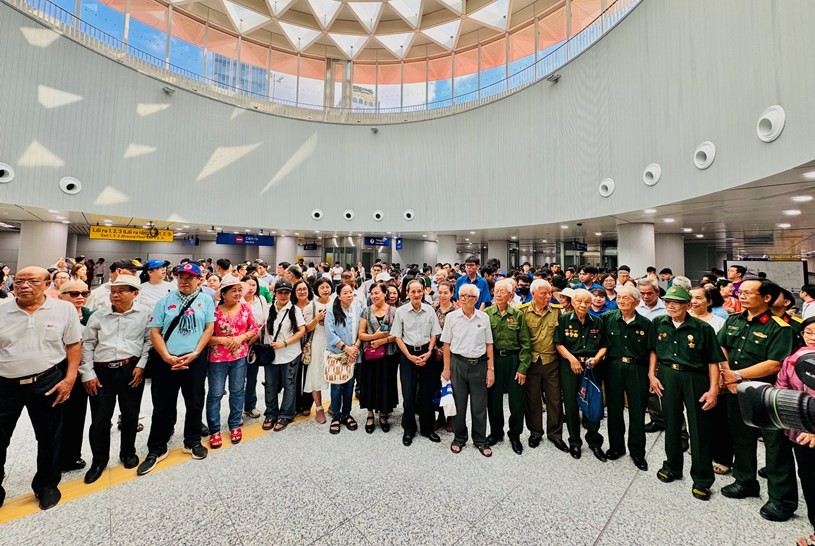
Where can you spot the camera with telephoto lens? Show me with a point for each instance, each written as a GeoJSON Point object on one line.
{"type": "Point", "coordinates": [764, 406]}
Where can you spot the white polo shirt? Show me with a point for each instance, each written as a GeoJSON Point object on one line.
{"type": "Point", "coordinates": [30, 344]}
{"type": "Point", "coordinates": [286, 354]}
{"type": "Point", "coordinates": [468, 337]}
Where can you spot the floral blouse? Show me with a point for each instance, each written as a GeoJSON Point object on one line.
{"type": "Point", "coordinates": [225, 326]}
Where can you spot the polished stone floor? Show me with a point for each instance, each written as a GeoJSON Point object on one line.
{"type": "Point", "coordinates": [305, 486]}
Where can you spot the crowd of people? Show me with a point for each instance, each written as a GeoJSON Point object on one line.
{"type": "Point", "coordinates": [656, 344]}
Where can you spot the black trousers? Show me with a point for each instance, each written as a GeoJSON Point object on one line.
{"type": "Point", "coordinates": [428, 378]}
{"type": "Point", "coordinates": [74, 411]}
{"type": "Point", "coordinates": [805, 457]}
{"type": "Point", "coordinates": [47, 423]}
{"type": "Point", "coordinates": [114, 386]}
{"type": "Point", "coordinates": [164, 390]}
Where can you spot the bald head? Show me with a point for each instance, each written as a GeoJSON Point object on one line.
{"type": "Point", "coordinates": [30, 284]}
{"type": "Point", "coordinates": [33, 272]}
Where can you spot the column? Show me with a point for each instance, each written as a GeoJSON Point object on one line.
{"type": "Point", "coordinates": [446, 249]}
{"type": "Point", "coordinates": [635, 247]}
{"type": "Point", "coordinates": [286, 249]}
{"type": "Point", "coordinates": [41, 243]}
{"type": "Point", "coordinates": [251, 252]}
{"type": "Point", "coordinates": [670, 252]}
{"type": "Point", "coordinates": [71, 249]}
{"type": "Point", "coordinates": [497, 249]}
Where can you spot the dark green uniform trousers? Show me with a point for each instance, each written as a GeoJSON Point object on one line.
{"type": "Point", "coordinates": [781, 483]}
{"type": "Point", "coordinates": [505, 369]}
{"type": "Point", "coordinates": [570, 383]}
{"type": "Point", "coordinates": [683, 389]}
{"type": "Point", "coordinates": [627, 379]}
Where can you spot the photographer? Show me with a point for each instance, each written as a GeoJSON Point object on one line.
{"type": "Point", "coordinates": [802, 443]}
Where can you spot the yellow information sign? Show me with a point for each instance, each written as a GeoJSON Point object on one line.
{"type": "Point", "coordinates": [132, 234]}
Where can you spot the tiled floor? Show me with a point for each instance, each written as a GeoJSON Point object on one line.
{"type": "Point", "coordinates": [305, 486]}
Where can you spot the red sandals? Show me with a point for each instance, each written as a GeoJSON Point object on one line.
{"type": "Point", "coordinates": [236, 436]}
{"type": "Point", "coordinates": [215, 440]}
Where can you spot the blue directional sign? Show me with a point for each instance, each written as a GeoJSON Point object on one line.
{"type": "Point", "coordinates": [245, 240]}
{"type": "Point", "coordinates": [377, 241]}
{"type": "Point", "coordinates": [399, 244]}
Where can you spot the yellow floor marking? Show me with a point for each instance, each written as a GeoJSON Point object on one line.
{"type": "Point", "coordinates": [26, 505]}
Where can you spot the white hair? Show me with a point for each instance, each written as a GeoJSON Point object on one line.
{"type": "Point", "coordinates": [470, 289]}
{"type": "Point", "coordinates": [537, 284]}
{"type": "Point", "coordinates": [633, 292]}
{"type": "Point", "coordinates": [507, 285]}
{"type": "Point", "coordinates": [646, 281]}
{"type": "Point", "coordinates": [581, 292]}
{"type": "Point", "coordinates": [684, 282]}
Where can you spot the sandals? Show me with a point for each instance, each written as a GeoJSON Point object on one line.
{"type": "Point", "coordinates": [720, 468]}
{"type": "Point", "coordinates": [350, 424]}
{"type": "Point", "coordinates": [449, 426]}
{"type": "Point", "coordinates": [268, 423]}
{"type": "Point", "coordinates": [456, 447]}
{"type": "Point", "coordinates": [306, 412]}
{"type": "Point", "coordinates": [383, 424]}
{"type": "Point", "coordinates": [281, 425]}
{"type": "Point", "coordinates": [803, 541]}
{"type": "Point", "coordinates": [236, 435]}
{"type": "Point", "coordinates": [486, 451]}
{"type": "Point", "coordinates": [215, 440]}
{"type": "Point", "coordinates": [369, 425]}
{"type": "Point", "coordinates": [335, 427]}
{"type": "Point", "coordinates": [320, 417]}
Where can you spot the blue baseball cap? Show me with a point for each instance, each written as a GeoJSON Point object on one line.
{"type": "Point", "coordinates": [155, 264]}
{"type": "Point", "coordinates": [189, 268]}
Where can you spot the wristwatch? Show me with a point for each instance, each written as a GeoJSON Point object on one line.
{"type": "Point", "coordinates": [738, 377]}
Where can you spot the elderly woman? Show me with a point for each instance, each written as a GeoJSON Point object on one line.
{"type": "Point", "coordinates": [75, 407]}
{"type": "Point", "coordinates": [469, 365]}
{"type": "Point", "coordinates": [58, 278]}
{"type": "Point", "coordinates": [342, 336]}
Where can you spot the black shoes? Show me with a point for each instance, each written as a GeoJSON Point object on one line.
{"type": "Point", "coordinates": [561, 445]}
{"type": "Point", "coordinates": [204, 430]}
{"type": "Point", "coordinates": [384, 425]}
{"type": "Point", "coordinates": [78, 464]}
{"type": "Point", "coordinates": [433, 437]}
{"type": "Point", "coordinates": [517, 446]}
{"type": "Point", "coordinates": [653, 427]}
{"type": "Point", "coordinates": [738, 490]}
{"type": "Point", "coordinates": [773, 512]}
{"type": "Point", "coordinates": [666, 476]}
{"type": "Point", "coordinates": [407, 439]}
{"type": "Point", "coordinates": [493, 439]}
{"type": "Point", "coordinates": [534, 441]}
{"type": "Point", "coordinates": [613, 455]}
{"type": "Point", "coordinates": [575, 452]}
{"type": "Point", "coordinates": [131, 461]}
{"type": "Point", "coordinates": [701, 493]}
{"type": "Point", "coordinates": [598, 453]}
{"type": "Point", "coordinates": [762, 472]}
{"type": "Point", "coordinates": [95, 472]}
{"type": "Point", "coordinates": [2, 495]}
{"type": "Point", "coordinates": [150, 462]}
{"type": "Point", "coordinates": [198, 451]}
{"type": "Point", "coordinates": [49, 498]}
{"type": "Point", "coordinates": [642, 464]}
{"type": "Point", "coordinates": [369, 425]}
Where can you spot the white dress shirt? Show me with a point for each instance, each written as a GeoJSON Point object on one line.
{"type": "Point", "coordinates": [110, 337]}
{"type": "Point", "coordinates": [468, 337]}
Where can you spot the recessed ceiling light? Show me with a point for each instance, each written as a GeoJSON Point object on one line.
{"type": "Point", "coordinates": [53, 211]}
{"type": "Point", "coordinates": [472, 233]}
{"type": "Point", "coordinates": [107, 220]}
{"type": "Point", "coordinates": [236, 232]}
{"type": "Point", "coordinates": [60, 217]}
{"type": "Point", "coordinates": [273, 232]}
{"type": "Point", "coordinates": [316, 231]}
{"type": "Point", "coordinates": [359, 234]}
{"type": "Point", "coordinates": [784, 226]}
{"type": "Point", "coordinates": [802, 198]}
{"type": "Point", "coordinates": [687, 229]}
{"type": "Point", "coordinates": [699, 236]}
{"type": "Point", "coordinates": [810, 175]}
{"type": "Point", "coordinates": [424, 235]}
{"type": "Point", "coordinates": [388, 232]}
{"type": "Point", "coordinates": [792, 212]}
{"type": "Point", "coordinates": [179, 233]}
{"type": "Point", "coordinates": [466, 238]}
{"type": "Point", "coordinates": [248, 230]}
{"type": "Point", "coordinates": [598, 233]}
{"type": "Point", "coordinates": [668, 220]}
{"type": "Point", "coordinates": [544, 241]}
{"type": "Point", "coordinates": [186, 227]}
{"type": "Point", "coordinates": [297, 233]}
{"type": "Point", "coordinates": [513, 237]}
{"type": "Point", "coordinates": [319, 237]}
{"type": "Point", "coordinates": [564, 227]}
{"type": "Point", "coordinates": [649, 211]}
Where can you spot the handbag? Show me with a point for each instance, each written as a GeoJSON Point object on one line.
{"type": "Point", "coordinates": [375, 353]}
{"type": "Point", "coordinates": [590, 397]}
{"type": "Point", "coordinates": [338, 369]}
{"type": "Point", "coordinates": [263, 354]}
{"type": "Point", "coordinates": [153, 358]}
{"type": "Point", "coordinates": [306, 357]}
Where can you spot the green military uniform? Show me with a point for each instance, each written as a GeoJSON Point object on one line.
{"type": "Point", "coordinates": [512, 354]}
{"type": "Point", "coordinates": [582, 340]}
{"type": "Point", "coordinates": [627, 360]}
{"type": "Point", "coordinates": [684, 355]}
{"type": "Point", "coordinates": [797, 331]}
{"type": "Point", "coordinates": [748, 342]}
{"type": "Point", "coordinates": [544, 373]}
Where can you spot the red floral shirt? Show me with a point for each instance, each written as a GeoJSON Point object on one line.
{"type": "Point", "coordinates": [225, 326]}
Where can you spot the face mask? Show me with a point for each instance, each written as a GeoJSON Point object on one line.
{"type": "Point", "coordinates": [523, 290]}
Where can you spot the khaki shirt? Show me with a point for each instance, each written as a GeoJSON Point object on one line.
{"type": "Point", "coordinates": [541, 331]}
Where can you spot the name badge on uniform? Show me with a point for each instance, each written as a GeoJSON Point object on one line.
{"type": "Point", "coordinates": [760, 334]}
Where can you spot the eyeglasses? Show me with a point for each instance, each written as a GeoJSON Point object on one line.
{"type": "Point", "coordinates": [466, 296]}
{"type": "Point", "coordinates": [76, 294]}
{"type": "Point", "coordinates": [23, 282]}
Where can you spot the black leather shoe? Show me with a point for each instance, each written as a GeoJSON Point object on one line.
{"type": "Point", "coordinates": [561, 445]}
{"type": "Point", "coordinates": [598, 453]}
{"type": "Point", "coordinates": [517, 446]}
{"type": "Point", "coordinates": [653, 427]}
{"type": "Point", "coordinates": [131, 461]}
{"type": "Point", "coordinates": [666, 476]}
{"type": "Point", "coordinates": [78, 464]}
{"type": "Point", "coordinates": [685, 447]}
{"type": "Point", "coordinates": [49, 498]}
{"type": "Point", "coordinates": [701, 493]}
{"type": "Point", "coordinates": [642, 464]}
{"type": "Point", "coordinates": [762, 472]}
{"type": "Point", "coordinates": [433, 437]}
{"type": "Point", "coordinates": [575, 452]}
{"type": "Point", "coordinates": [2, 495]}
{"type": "Point", "coordinates": [738, 490]}
{"type": "Point", "coordinates": [493, 439]}
{"type": "Point", "coordinates": [95, 472]}
{"type": "Point", "coordinates": [773, 512]}
{"type": "Point", "coordinates": [534, 441]}
{"type": "Point", "coordinates": [204, 430]}
{"type": "Point", "coordinates": [407, 439]}
{"type": "Point", "coordinates": [613, 455]}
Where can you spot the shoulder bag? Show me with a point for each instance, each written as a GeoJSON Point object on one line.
{"type": "Point", "coordinates": [306, 358]}
{"type": "Point", "coordinates": [375, 353]}
{"type": "Point", "coordinates": [261, 353]}
{"type": "Point", "coordinates": [590, 397]}
{"type": "Point", "coordinates": [153, 358]}
{"type": "Point", "coordinates": [338, 367]}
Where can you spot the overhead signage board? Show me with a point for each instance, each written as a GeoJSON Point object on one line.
{"type": "Point", "coordinates": [377, 241]}
{"type": "Point", "coordinates": [244, 239]}
{"type": "Point", "coordinates": [310, 246]}
{"type": "Point", "coordinates": [581, 247]}
{"type": "Point", "coordinates": [151, 235]}
{"type": "Point", "coordinates": [399, 243]}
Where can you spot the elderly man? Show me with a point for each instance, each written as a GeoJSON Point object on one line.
{"type": "Point", "coordinates": [100, 297]}
{"type": "Point", "coordinates": [115, 345]}
{"type": "Point", "coordinates": [651, 307]}
{"type": "Point", "coordinates": [580, 340]}
{"type": "Point", "coordinates": [687, 377]}
{"type": "Point", "coordinates": [40, 349]}
{"type": "Point", "coordinates": [631, 343]}
{"type": "Point", "coordinates": [513, 356]}
{"type": "Point", "coordinates": [439, 277]}
{"type": "Point", "coordinates": [469, 364]}
{"type": "Point", "coordinates": [180, 327]}
{"type": "Point", "coordinates": [415, 327]}
{"type": "Point", "coordinates": [543, 375]}
{"type": "Point", "coordinates": [623, 274]}
{"type": "Point", "coordinates": [473, 278]}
